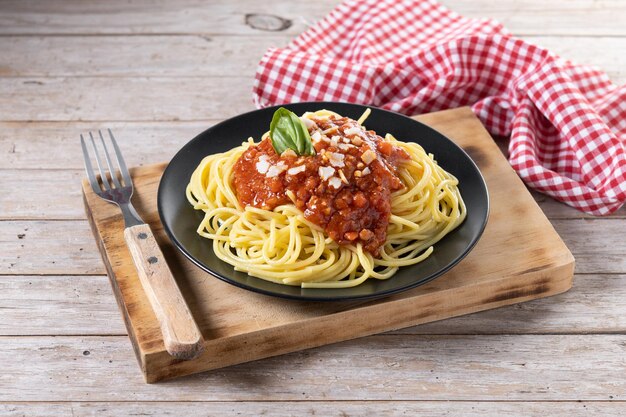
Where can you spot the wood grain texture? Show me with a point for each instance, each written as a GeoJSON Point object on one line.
{"type": "Point", "coordinates": [536, 264]}
{"type": "Point", "coordinates": [45, 247]}
{"type": "Point", "coordinates": [85, 305]}
{"type": "Point", "coordinates": [585, 51]}
{"type": "Point", "coordinates": [182, 55]}
{"type": "Point", "coordinates": [588, 31]}
{"type": "Point", "coordinates": [525, 17]}
{"type": "Point", "coordinates": [48, 247]}
{"type": "Point", "coordinates": [139, 98]}
{"type": "Point", "coordinates": [317, 408]}
{"type": "Point", "coordinates": [136, 56]}
{"type": "Point", "coordinates": [142, 142]}
{"type": "Point", "coordinates": [58, 305]}
{"type": "Point", "coordinates": [179, 331]}
{"type": "Point", "coordinates": [156, 17]}
{"type": "Point", "coordinates": [537, 17]}
{"type": "Point", "coordinates": [375, 368]}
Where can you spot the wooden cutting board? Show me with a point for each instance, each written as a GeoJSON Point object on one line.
{"type": "Point", "coordinates": [519, 258]}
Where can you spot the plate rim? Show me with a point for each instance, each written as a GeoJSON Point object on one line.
{"type": "Point", "coordinates": [300, 297]}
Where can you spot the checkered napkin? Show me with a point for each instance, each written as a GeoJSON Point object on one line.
{"type": "Point", "coordinates": [567, 122]}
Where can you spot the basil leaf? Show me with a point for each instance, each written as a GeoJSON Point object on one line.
{"type": "Point", "coordinates": [287, 131]}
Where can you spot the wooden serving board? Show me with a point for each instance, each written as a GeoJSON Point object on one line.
{"type": "Point", "coordinates": [519, 258]}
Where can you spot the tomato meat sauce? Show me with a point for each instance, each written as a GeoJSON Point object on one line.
{"type": "Point", "coordinates": [345, 188]}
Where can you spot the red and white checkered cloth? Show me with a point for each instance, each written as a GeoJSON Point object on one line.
{"type": "Point", "coordinates": [567, 122]}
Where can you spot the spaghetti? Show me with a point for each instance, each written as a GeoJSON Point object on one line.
{"type": "Point", "coordinates": [287, 219]}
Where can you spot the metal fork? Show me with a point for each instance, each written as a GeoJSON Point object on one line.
{"type": "Point", "coordinates": [181, 335]}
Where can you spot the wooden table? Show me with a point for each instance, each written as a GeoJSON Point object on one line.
{"type": "Point", "coordinates": [159, 72]}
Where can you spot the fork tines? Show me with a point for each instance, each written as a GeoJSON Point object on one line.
{"type": "Point", "coordinates": [113, 179]}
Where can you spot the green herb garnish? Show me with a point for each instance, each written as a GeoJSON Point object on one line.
{"type": "Point", "coordinates": [287, 131]}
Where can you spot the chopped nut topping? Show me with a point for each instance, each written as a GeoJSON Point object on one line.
{"type": "Point", "coordinates": [368, 156]}
{"type": "Point", "coordinates": [366, 234]}
{"type": "Point", "coordinates": [343, 177]}
{"type": "Point", "coordinates": [291, 196]}
{"type": "Point", "coordinates": [336, 159]}
{"type": "Point", "coordinates": [327, 131]}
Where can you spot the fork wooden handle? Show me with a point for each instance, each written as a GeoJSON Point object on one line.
{"type": "Point", "coordinates": [181, 335]}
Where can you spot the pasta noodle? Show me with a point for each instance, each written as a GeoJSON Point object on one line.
{"type": "Point", "coordinates": [282, 246]}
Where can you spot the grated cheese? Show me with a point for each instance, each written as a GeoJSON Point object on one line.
{"type": "Point", "coordinates": [368, 156]}
{"type": "Point", "coordinates": [326, 172]}
{"type": "Point", "coordinates": [276, 170]}
{"type": "Point", "coordinates": [336, 159]}
{"type": "Point", "coordinates": [316, 136]}
{"type": "Point", "coordinates": [262, 166]}
{"type": "Point", "coordinates": [334, 182]}
{"type": "Point", "coordinates": [308, 122]}
{"type": "Point", "coordinates": [296, 170]}
{"type": "Point", "coordinates": [352, 131]}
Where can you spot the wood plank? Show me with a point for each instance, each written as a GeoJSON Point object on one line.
{"type": "Point", "coordinates": [156, 17]}
{"type": "Point", "coordinates": [176, 56]}
{"type": "Point", "coordinates": [599, 51]}
{"type": "Point", "coordinates": [21, 143]}
{"type": "Point", "coordinates": [385, 367]}
{"type": "Point", "coordinates": [556, 210]}
{"type": "Point", "coordinates": [48, 247]}
{"type": "Point", "coordinates": [85, 305]}
{"type": "Point", "coordinates": [124, 99]}
{"type": "Point", "coordinates": [595, 304]}
{"type": "Point", "coordinates": [525, 17]}
{"type": "Point", "coordinates": [23, 191]}
{"type": "Point", "coordinates": [537, 17]}
{"type": "Point", "coordinates": [115, 56]}
{"type": "Point", "coordinates": [67, 247]}
{"type": "Point", "coordinates": [317, 408]}
{"type": "Point", "coordinates": [100, 99]}
{"type": "Point", "coordinates": [58, 305]}
{"type": "Point", "coordinates": [598, 248]}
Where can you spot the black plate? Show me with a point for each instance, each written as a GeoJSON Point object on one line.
{"type": "Point", "coordinates": [180, 220]}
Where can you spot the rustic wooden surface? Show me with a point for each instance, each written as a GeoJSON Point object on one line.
{"type": "Point", "coordinates": [520, 257]}
{"type": "Point", "coordinates": [156, 70]}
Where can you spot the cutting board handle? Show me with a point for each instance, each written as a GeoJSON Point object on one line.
{"type": "Point", "coordinates": [181, 335]}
